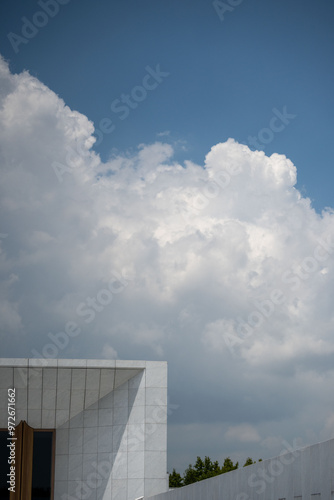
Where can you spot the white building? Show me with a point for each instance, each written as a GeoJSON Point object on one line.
{"type": "Point", "coordinates": [92, 429]}
{"type": "Point", "coordinates": [296, 474]}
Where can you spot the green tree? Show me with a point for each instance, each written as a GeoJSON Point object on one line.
{"type": "Point", "coordinates": [249, 461]}
{"type": "Point", "coordinates": [203, 469]}
{"type": "Point", "coordinates": [175, 480]}
{"type": "Point", "coordinates": [193, 474]}
{"type": "Point", "coordinates": [229, 465]}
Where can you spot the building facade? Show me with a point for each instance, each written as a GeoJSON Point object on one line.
{"type": "Point", "coordinates": [85, 429]}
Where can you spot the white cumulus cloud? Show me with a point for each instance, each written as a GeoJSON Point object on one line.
{"type": "Point", "coordinates": [224, 269]}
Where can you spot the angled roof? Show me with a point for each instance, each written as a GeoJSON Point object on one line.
{"type": "Point", "coordinates": [63, 386]}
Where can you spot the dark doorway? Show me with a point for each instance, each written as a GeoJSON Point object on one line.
{"type": "Point", "coordinates": [34, 463]}
{"type": "Point", "coordinates": [42, 465]}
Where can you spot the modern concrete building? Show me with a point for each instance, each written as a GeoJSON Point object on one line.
{"type": "Point", "coordinates": [97, 430]}
{"type": "Point", "coordinates": [90, 429]}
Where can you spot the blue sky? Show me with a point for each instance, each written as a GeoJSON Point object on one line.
{"type": "Point", "coordinates": [201, 250]}
{"type": "Point", "coordinates": [225, 76]}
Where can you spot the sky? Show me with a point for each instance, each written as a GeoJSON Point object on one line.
{"type": "Point", "coordinates": [166, 185]}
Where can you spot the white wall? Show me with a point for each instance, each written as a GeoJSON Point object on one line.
{"type": "Point", "coordinates": [110, 419]}
{"type": "Point", "coordinates": [305, 474]}
{"type": "Point", "coordinates": [116, 448]}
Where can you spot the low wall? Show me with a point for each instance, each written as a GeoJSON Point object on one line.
{"type": "Point", "coordinates": [304, 474]}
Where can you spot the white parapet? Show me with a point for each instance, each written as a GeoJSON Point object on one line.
{"type": "Point", "coordinates": [299, 474]}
